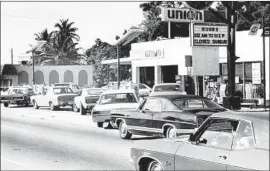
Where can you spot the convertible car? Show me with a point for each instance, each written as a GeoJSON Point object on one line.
{"type": "Point", "coordinates": [17, 95]}
{"type": "Point", "coordinates": [225, 141]}
{"type": "Point", "coordinates": [164, 115]}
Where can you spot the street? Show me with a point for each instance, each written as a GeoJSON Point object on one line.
{"type": "Point", "coordinates": [43, 139]}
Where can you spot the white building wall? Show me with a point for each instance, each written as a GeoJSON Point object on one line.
{"type": "Point", "coordinates": [61, 69]}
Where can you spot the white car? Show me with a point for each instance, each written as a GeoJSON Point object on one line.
{"type": "Point", "coordinates": [86, 100]}
{"type": "Point", "coordinates": [54, 97]}
{"type": "Point", "coordinates": [167, 88]}
{"type": "Point", "coordinates": [113, 100]}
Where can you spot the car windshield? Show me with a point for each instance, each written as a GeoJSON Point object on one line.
{"type": "Point", "coordinates": [62, 90]}
{"type": "Point", "coordinates": [118, 98]}
{"type": "Point", "coordinates": [196, 104]}
{"type": "Point", "coordinates": [94, 91]}
{"type": "Point", "coordinates": [161, 88]}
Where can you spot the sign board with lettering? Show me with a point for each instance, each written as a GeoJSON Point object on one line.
{"type": "Point", "coordinates": [254, 29]}
{"type": "Point", "coordinates": [156, 53]}
{"type": "Point", "coordinates": [181, 15]}
{"type": "Point", "coordinates": [256, 73]}
{"type": "Point", "coordinates": [188, 15]}
{"type": "Point", "coordinates": [207, 34]}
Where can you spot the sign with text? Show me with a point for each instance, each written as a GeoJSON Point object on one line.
{"type": "Point", "coordinates": [206, 34]}
{"type": "Point", "coordinates": [181, 15]}
{"type": "Point", "coordinates": [256, 73]}
{"type": "Point", "coordinates": [157, 53]}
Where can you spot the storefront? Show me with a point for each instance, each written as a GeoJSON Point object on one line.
{"type": "Point", "coordinates": [159, 61]}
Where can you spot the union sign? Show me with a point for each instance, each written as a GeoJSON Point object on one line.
{"type": "Point", "coordinates": [206, 34]}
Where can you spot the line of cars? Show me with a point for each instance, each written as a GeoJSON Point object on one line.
{"type": "Point", "coordinates": [200, 134]}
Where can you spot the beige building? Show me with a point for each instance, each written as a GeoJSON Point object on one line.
{"type": "Point", "coordinates": [21, 74]}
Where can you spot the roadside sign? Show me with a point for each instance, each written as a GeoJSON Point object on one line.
{"type": "Point", "coordinates": [209, 34]}
{"type": "Point", "coordinates": [254, 29]}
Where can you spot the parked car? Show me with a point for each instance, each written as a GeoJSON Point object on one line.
{"type": "Point", "coordinates": [54, 97]}
{"type": "Point", "coordinates": [144, 90]}
{"type": "Point", "coordinates": [74, 87]}
{"type": "Point", "coordinates": [225, 141]}
{"type": "Point", "coordinates": [86, 100]}
{"type": "Point", "coordinates": [17, 95]}
{"type": "Point", "coordinates": [165, 115]}
{"type": "Point", "coordinates": [167, 88]}
{"type": "Point", "coordinates": [111, 100]}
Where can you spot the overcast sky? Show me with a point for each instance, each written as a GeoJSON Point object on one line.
{"type": "Point", "coordinates": [104, 20]}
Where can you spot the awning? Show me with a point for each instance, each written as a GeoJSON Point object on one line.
{"type": "Point", "coordinates": [123, 61]}
{"type": "Point", "coordinates": [129, 36]}
{"type": "Point", "coordinates": [9, 69]}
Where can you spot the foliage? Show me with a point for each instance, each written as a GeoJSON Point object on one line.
{"type": "Point", "coordinates": [60, 47]}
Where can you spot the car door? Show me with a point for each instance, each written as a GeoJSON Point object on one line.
{"type": "Point", "coordinates": [141, 120]}
{"type": "Point", "coordinates": [210, 147]}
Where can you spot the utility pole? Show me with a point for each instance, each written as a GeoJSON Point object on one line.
{"type": "Point", "coordinates": [11, 51]}
{"type": "Point", "coordinates": [33, 65]}
{"type": "Point", "coordinates": [118, 68]}
{"type": "Point", "coordinates": [264, 90]}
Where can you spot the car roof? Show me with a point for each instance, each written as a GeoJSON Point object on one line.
{"type": "Point", "coordinates": [60, 87]}
{"type": "Point", "coordinates": [118, 91]}
{"type": "Point", "coordinates": [167, 84]}
{"type": "Point", "coordinates": [251, 116]}
{"type": "Point", "coordinates": [172, 97]}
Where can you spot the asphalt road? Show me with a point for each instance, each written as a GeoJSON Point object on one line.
{"type": "Point", "coordinates": [43, 139]}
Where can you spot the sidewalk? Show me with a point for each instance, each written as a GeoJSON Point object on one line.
{"type": "Point", "coordinates": [247, 109]}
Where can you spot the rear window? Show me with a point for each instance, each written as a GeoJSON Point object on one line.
{"type": "Point", "coordinates": [161, 88]}
{"type": "Point", "coordinates": [58, 85]}
{"type": "Point", "coordinates": [118, 98]}
{"type": "Point", "coordinates": [62, 90]}
{"type": "Point", "coordinates": [195, 104]}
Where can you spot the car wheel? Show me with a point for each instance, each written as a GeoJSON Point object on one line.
{"type": "Point", "coordinates": [123, 131]}
{"type": "Point", "coordinates": [82, 110]}
{"type": "Point", "coordinates": [154, 166]}
{"type": "Point", "coordinates": [171, 132]}
{"type": "Point", "coordinates": [75, 108]}
{"type": "Point", "coordinates": [35, 105]}
{"type": "Point", "coordinates": [100, 124]}
{"type": "Point", "coordinates": [52, 107]}
{"type": "Point", "coordinates": [6, 104]}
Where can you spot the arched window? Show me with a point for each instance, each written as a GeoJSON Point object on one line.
{"type": "Point", "coordinates": [23, 77]}
{"type": "Point", "coordinates": [83, 78]}
{"type": "Point", "coordinates": [39, 77]}
{"type": "Point", "coordinates": [53, 77]}
{"type": "Point", "coordinates": [68, 76]}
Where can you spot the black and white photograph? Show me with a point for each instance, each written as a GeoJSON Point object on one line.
{"type": "Point", "coordinates": [135, 85]}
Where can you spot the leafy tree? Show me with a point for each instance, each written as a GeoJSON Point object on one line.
{"type": "Point", "coordinates": [44, 36]}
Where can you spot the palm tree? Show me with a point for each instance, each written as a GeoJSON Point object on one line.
{"type": "Point", "coordinates": [44, 35]}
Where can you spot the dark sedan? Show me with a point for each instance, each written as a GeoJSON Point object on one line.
{"type": "Point", "coordinates": [165, 115]}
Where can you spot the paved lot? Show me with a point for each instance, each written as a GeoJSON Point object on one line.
{"type": "Point", "coordinates": [43, 139]}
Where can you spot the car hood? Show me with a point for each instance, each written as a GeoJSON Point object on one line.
{"type": "Point", "coordinates": [164, 145]}
{"type": "Point", "coordinates": [119, 106]}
